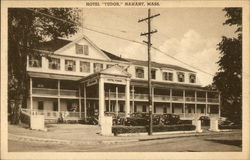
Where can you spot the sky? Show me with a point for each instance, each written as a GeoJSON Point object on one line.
{"type": "Point", "coordinates": [189, 34]}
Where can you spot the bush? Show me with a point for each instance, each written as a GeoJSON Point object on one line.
{"type": "Point", "coordinates": [128, 129]}
{"type": "Point", "coordinates": [230, 127]}
{"type": "Point", "coordinates": [25, 118]}
{"type": "Point", "coordinates": [185, 122]}
{"type": "Point", "coordinates": [165, 128]}
{"type": "Point", "coordinates": [142, 119]}
{"type": "Point", "coordinates": [157, 128]}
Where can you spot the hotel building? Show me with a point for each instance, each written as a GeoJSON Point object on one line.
{"type": "Point", "coordinates": [79, 79]}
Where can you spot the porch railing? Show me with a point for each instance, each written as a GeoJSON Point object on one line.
{"type": "Point", "coordinates": [144, 97]}
{"type": "Point", "coordinates": [53, 114]}
{"type": "Point", "coordinates": [54, 92]}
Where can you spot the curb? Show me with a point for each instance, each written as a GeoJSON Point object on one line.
{"type": "Point", "coordinates": [164, 136]}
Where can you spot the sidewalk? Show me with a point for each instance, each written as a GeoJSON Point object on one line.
{"type": "Point", "coordinates": [78, 134]}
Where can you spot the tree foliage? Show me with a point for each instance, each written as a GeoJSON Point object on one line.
{"type": "Point", "coordinates": [27, 27]}
{"type": "Point", "coordinates": [229, 78]}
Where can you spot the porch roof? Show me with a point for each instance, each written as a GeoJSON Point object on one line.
{"type": "Point", "coordinates": [54, 76]}
{"type": "Point", "coordinates": [144, 83]}
{"type": "Point", "coordinates": [113, 71]}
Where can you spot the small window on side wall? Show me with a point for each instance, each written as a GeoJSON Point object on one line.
{"type": "Point", "coordinates": [192, 78]}
{"type": "Point", "coordinates": [180, 76]}
{"type": "Point", "coordinates": [139, 72]}
{"type": "Point", "coordinates": [40, 105]}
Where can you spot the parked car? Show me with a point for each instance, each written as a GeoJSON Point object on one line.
{"type": "Point", "coordinates": [170, 119]}
{"type": "Point", "coordinates": [205, 120]}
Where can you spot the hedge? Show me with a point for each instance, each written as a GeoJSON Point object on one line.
{"type": "Point", "coordinates": [156, 128]}
{"type": "Point", "coordinates": [25, 118]}
{"type": "Point", "coordinates": [230, 127]}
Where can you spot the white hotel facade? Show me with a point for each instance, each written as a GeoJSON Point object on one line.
{"type": "Point", "coordinates": [79, 79]}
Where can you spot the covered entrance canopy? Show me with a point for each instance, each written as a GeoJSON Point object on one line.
{"type": "Point", "coordinates": [93, 87]}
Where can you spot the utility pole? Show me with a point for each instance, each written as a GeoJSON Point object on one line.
{"type": "Point", "coordinates": [148, 34]}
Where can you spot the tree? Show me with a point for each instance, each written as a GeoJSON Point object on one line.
{"type": "Point", "coordinates": [228, 79]}
{"type": "Point", "coordinates": [27, 28]}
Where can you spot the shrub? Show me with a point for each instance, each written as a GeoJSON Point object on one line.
{"type": "Point", "coordinates": [25, 118]}
{"type": "Point", "coordinates": [128, 129]}
{"type": "Point", "coordinates": [230, 127]}
{"type": "Point", "coordinates": [156, 128]}
{"type": "Point", "coordinates": [165, 128]}
{"type": "Point", "coordinates": [185, 122]}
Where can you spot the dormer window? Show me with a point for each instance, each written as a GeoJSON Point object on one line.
{"type": "Point", "coordinates": [139, 72]}
{"type": "Point", "coordinates": [35, 61]}
{"type": "Point", "coordinates": [70, 65]}
{"type": "Point", "coordinates": [54, 63]}
{"type": "Point", "coordinates": [180, 76]}
{"type": "Point", "coordinates": [82, 49]}
{"type": "Point", "coordinates": [192, 78]}
{"type": "Point", "coordinates": [153, 74]}
{"type": "Point", "coordinates": [168, 76]}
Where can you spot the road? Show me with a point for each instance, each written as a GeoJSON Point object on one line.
{"type": "Point", "coordinates": [214, 143]}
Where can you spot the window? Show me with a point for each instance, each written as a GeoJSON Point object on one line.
{"type": "Point", "coordinates": [121, 108]}
{"type": "Point", "coordinates": [98, 67]}
{"type": "Point", "coordinates": [192, 78]}
{"type": "Point", "coordinates": [85, 49]}
{"type": "Point", "coordinates": [54, 63]}
{"type": "Point", "coordinates": [55, 106]}
{"type": "Point", "coordinates": [40, 105]}
{"type": "Point", "coordinates": [82, 49]}
{"type": "Point", "coordinates": [164, 109]}
{"type": "Point", "coordinates": [35, 61]}
{"type": "Point", "coordinates": [79, 49]}
{"type": "Point", "coordinates": [84, 67]}
{"type": "Point", "coordinates": [153, 74]}
{"type": "Point", "coordinates": [70, 65]}
{"type": "Point", "coordinates": [168, 76]}
{"type": "Point", "coordinates": [144, 108]}
{"type": "Point", "coordinates": [139, 72]}
{"type": "Point", "coordinates": [189, 110]}
{"type": "Point", "coordinates": [180, 76]}
{"type": "Point", "coordinates": [135, 108]}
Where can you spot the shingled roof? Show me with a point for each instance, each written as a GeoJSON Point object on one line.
{"type": "Point", "coordinates": [56, 44]}
{"type": "Point", "coordinates": [158, 65]}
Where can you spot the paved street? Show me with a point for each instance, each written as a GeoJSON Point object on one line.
{"type": "Point", "coordinates": [209, 143]}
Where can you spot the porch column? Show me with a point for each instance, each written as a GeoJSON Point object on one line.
{"type": "Point", "coordinates": [133, 99]}
{"type": "Point", "coordinates": [59, 92]}
{"type": "Point", "coordinates": [219, 105]}
{"type": "Point", "coordinates": [171, 104]}
{"type": "Point", "coordinates": [184, 107]}
{"type": "Point", "coordinates": [116, 101]}
{"type": "Point", "coordinates": [31, 96]}
{"type": "Point", "coordinates": [206, 104]}
{"type": "Point", "coordinates": [101, 98]}
{"type": "Point", "coordinates": [195, 99]}
{"type": "Point", "coordinates": [80, 103]}
{"type": "Point", "coordinates": [153, 106]}
{"type": "Point", "coordinates": [85, 101]}
{"type": "Point", "coordinates": [109, 102]}
{"type": "Point", "coordinates": [127, 100]}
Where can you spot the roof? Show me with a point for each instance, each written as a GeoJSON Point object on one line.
{"type": "Point", "coordinates": [56, 44]}
{"type": "Point", "coordinates": [53, 45]}
{"type": "Point", "coordinates": [114, 57]}
{"type": "Point", "coordinates": [158, 65]}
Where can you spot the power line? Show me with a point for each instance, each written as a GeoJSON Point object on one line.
{"type": "Point", "coordinates": [114, 36]}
